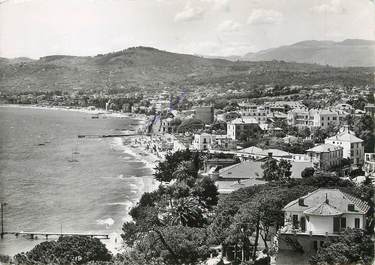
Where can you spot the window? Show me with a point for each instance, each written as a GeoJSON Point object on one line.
{"type": "Point", "coordinates": [351, 207]}
{"type": "Point", "coordinates": [356, 222]}
{"type": "Point", "coordinates": [295, 221]}
{"type": "Point", "coordinates": [343, 223]}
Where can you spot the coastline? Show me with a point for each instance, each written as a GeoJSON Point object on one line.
{"type": "Point", "coordinates": [103, 112]}
{"type": "Point", "coordinates": [148, 184]}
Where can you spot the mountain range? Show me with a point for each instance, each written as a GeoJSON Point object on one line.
{"type": "Point", "coordinates": [350, 52]}
{"type": "Point", "coordinates": [145, 68]}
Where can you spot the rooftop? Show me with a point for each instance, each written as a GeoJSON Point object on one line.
{"type": "Point", "coordinates": [245, 120]}
{"type": "Point", "coordinates": [345, 136]}
{"type": "Point", "coordinates": [324, 148]}
{"type": "Point", "coordinates": [313, 203]}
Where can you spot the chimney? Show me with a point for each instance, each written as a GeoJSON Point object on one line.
{"type": "Point", "coordinates": [301, 202]}
{"type": "Point", "coordinates": [270, 154]}
{"type": "Point", "coordinates": [327, 201]}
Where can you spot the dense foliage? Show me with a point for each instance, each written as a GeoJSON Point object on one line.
{"type": "Point", "coordinates": [170, 223]}
{"type": "Point", "coordinates": [66, 250]}
{"type": "Point", "coordinates": [352, 247]}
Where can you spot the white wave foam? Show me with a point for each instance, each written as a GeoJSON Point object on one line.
{"type": "Point", "coordinates": [108, 222]}
{"type": "Point", "coordinates": [119, 203]}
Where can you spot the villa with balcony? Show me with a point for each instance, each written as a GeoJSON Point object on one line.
{"type": "Point", "coordinates": [318, 216]}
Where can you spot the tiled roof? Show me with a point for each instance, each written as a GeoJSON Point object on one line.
{"type": "Point", "coordinates": [345, 137]}
{"type": "Point", "coordinates": [336, 198]}
{"type": "Point", "coordinates": [227, 186]}
{"type": "Point", "coordinates": [324, 148]}
{"type": "Point", "coordinates": [277, 152]}
{"type": "Point", "coordinates": [253, 169]}
{"type": "Point", "coordinates": [323, 209]}
{"type": "Point", "coordinates": [253, 150]}
{"type": "Point", "coordinates": [247, 120]}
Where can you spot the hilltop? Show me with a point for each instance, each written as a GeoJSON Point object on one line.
{"type": "Point", "coordinates": [350, 52]}
{"type": "Point", "coordinates": [149, 68]}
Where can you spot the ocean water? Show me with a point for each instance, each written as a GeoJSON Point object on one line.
{"type": "Point", "coordinates": [45, 191]}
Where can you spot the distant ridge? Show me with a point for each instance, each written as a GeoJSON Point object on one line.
{"type": "Point", "coordinates": [350, 52]}
{"type": "Point", "coordinates": [144, 68]}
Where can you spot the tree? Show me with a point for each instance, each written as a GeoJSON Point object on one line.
{"type": "Point", "coordinates": [270, 170]}
{"type": "Point", "coordinates": [308, 172]}
{"type": "Point", "coordinates": [284, 169]}
{"type": "Point", "coordinates": [352, 247]}
{"type": "Point", "coordinates": [190, 125]}
{"type": "Point", "coordinates": [164, 171]}
{"type": "Point", "coordinates": [184, 203]}
{"type": "Point", "coordinates": [66, 250]}
{"type": "Point", "coordinates": [275, 171]}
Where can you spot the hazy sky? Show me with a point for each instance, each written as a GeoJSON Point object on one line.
{"type": "Point", "coordinates": [35, 28]}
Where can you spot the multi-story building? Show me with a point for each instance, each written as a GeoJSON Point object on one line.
{"type": "Point", "coordinates": [320, 216]}
{"type": "Point", "coordinates": [203, 141]}
{"type": "Point", "coordinates": [369, 166]}
{"type": "Point", "coordinates": [259, 113]}
{"type": "Point", "coordinates": [207, 141]}
{"type": "Point", "coordinates": [325, 156]}
{"type": "Point", "coordinates": [243, 128]}
{"type": "Point", "coordinates": [313, 118]}
{"type": "Point", "coordinates": [352, 146]}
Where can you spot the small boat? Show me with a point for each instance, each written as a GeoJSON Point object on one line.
{"type": "Point", "coordinates": [95, 116]}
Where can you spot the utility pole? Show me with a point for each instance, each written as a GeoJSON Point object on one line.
{"type": "Point", "coordinates": [2, 219]}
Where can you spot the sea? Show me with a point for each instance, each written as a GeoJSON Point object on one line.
{"type": "Point", "coordinates": [53, 181]}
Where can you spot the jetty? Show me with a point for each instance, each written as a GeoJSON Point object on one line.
{"type": "Point", "coordinates": [33, 234]}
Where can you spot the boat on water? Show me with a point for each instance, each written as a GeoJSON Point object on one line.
{"type": "Point", "coordinates": [95, 116]}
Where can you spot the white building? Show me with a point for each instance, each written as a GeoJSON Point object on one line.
{"type": "Point", "coordinates": [369, 166]}
{"type": "Point", "coordinates": [206, 141]}
{"type": "Point", "coordinates": [259, 113]}
{"type": "Point", "coordinates": [322, 214]}
{"type": "Point", "coordinates": [242, 128]}
{"type": "Point", "coordinates": [203, 141]}
{"type": "Point", "coordinates": [314, 118]}
{"type": "Point", "coordinates": [352, 146]}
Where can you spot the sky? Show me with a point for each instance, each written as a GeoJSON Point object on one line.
{"type": "Point", "coordinates": [36, 28]}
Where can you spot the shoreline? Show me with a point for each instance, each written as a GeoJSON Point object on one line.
{"type": "Point", "coordinates": [87, 110]}
{"type": "Point", "coordinates": [114, 244]}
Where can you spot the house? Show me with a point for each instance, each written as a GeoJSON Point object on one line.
{"type": "Point", "coordinates": [370, 109]}
{"type": "Point", "coordinates": [322, 214]}
{"type": "Point", "coordinates": [242, 128]}
{"type": "Point", "coordinates": [325, 156]}
{"type": "Point", "coordinates": [322, 118]}
{"type": "Point", "coordinates": [207, 141]}
{"type": "Point", "coordinates": [249, 173]}
{"type": "Point", "coordinates": [259, 114]}
{"type": "Point", "coordinates": [369, 166]}
{"type": "Point", "coordinates": [352, 146]}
